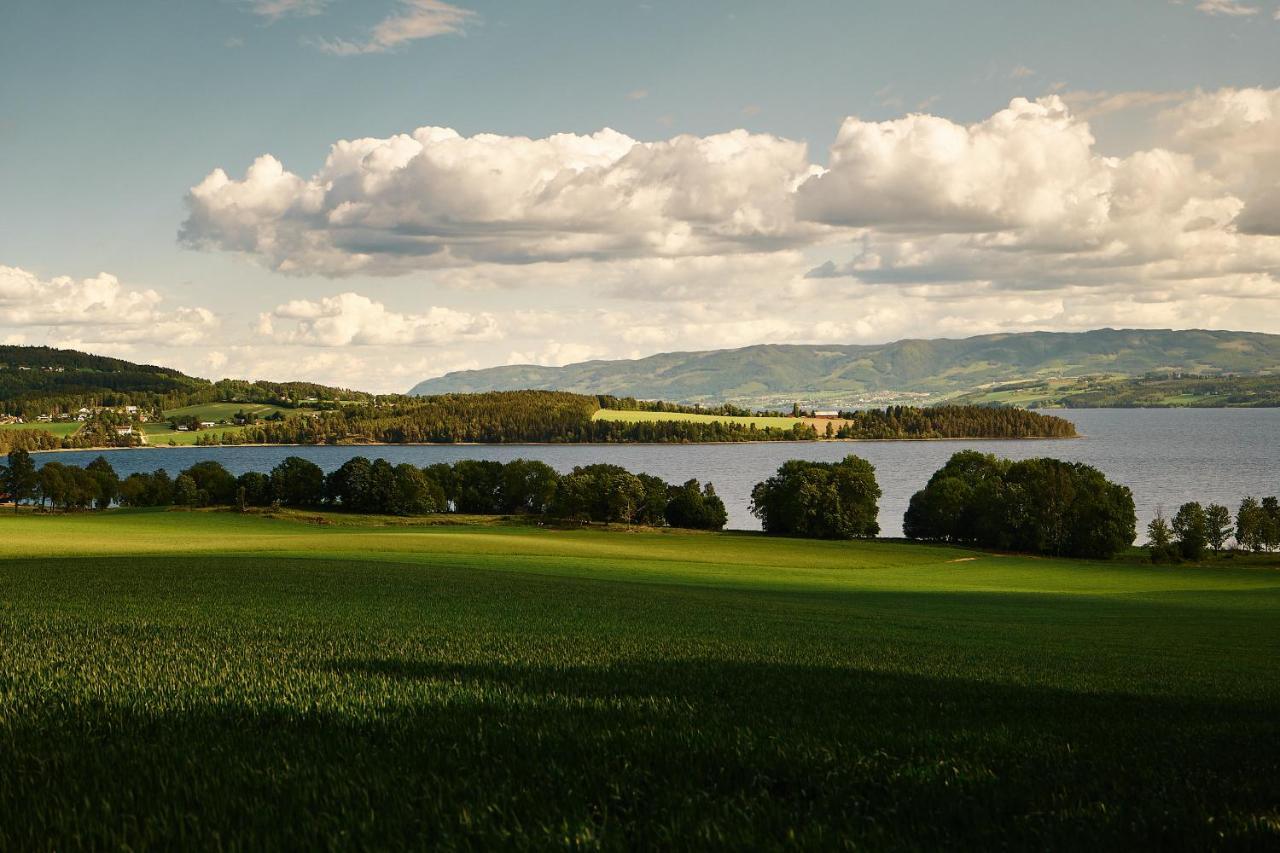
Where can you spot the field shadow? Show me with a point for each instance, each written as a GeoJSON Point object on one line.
{"type": "Point", "coordinates": [692, 753]}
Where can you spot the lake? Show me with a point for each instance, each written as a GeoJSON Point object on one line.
{"type": "Point", "coordinates": [1167, 456]}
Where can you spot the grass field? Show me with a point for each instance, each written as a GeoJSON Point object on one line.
{"type": "Point", "coordinates": [163, 434]}
{"type": "Point", "coordinates": [215, 680]}
{"type": "Point", "coordinates": [226, 411]}
{"type": "Point", "coordinates": [760, 422]}
{"type": "Point", "coordinates": [58, 429]}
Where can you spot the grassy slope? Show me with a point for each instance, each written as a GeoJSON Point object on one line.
{"type": "Point", "coordinates": [635, 417]}
{"type": "Point", "coordinates": [58, 429]}
{"type": "Point", "coordinates": [166, 675]}
{"type": "Point", "coordinates": [162, 434]}
{"type": "Point", "coordinates": [226, 411]}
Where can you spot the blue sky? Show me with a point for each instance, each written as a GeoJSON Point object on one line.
{"type": "Point", "coordinates": [110, 113]}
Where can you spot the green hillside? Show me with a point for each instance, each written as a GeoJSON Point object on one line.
{"type": "Point", "coordinates": [837, 373]}
{"type": "Point", "coordinates": [1122, 392]}
{"type": "Point", "coordinates": [43, 380]}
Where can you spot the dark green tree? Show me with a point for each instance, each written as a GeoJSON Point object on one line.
{"type": "Point", "coordinates": [214, 483]}
{"type": "Point", "coordinates": [1191, 529]}
{"type": "Point", "coordinates": [820, 500]}
{"type": "Point", "coordinates": [106, 480]}
{"type": "Point", "coordinates": [348, 485]}
{"type": "Point", "coordinates": [21, 480]}
{"type": "Point", "coordinates": [1251, 524]}
{"type": "Point", "coordinates": [478, 486]}
{"type": "Point", "coordinates": [185, 491]}
{"type": "Point", "coordinates": [1044, 506]}
{"type": "Point", "coordinates": [652, 509]}
{"type": "Point", "coordinates": [256, 487]}
{"type": "Point", "coordinates": [1270, 521]}
{"type": "Point", "coordinates": [528, 486]}
{"type": "Point", "coordinates": [1218, 521]}
{"type": "Point", "coordinates": [414, 493]}
{"type": "Point", "coordinates": [1160, 539]}
{"type": "Point", "coordinates": [297, 482]}
{"type": "Point", "coordinates": [695, 507]}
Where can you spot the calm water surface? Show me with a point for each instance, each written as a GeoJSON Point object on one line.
{"type": "Point", "coordinates": [1167, 456]}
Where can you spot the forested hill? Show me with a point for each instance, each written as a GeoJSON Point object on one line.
{"type": "Point", "coordinates": [36, 373]}
{"type": "Point", "coordinates": [930, 366]}
{"type": "Point", "coordinates": [43, 380]}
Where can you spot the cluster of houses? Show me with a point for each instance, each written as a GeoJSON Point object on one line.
{"type": "Point", "coordinates": [84, 413]}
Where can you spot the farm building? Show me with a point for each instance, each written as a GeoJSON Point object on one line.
{"type": "Point", "coordinates": [826, 414]}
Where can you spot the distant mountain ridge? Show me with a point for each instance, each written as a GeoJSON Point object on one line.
{"type": "Point", "coordinates": [936, 367]}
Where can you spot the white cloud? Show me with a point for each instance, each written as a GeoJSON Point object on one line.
{"type": "Point", "coordinates": [637, 94]}
{"type": "Point", "coordinates": [1031, 164]}
{"type": "Point", "coordinates": [920, 225]}
{"type": "Point", "coordinates": [1235, 134]}
{"type": "Point", "coordinates": [353, 319]}
{"type": "Point", "coordinates": [1229, 8]}
{"type": "Point", "coordinates": [416, 20]}
{"type": "Point", "coordinates": [274, 10]}
{"type": "Point", "coordinates": [97, 309]}
{"type": "Point", "coordinates": [435, 199]}
{"type": "Point", "coordinates": [1021, 72]}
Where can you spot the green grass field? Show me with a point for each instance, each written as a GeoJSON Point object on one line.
{"type": "Point", "coordinates": [162, 434]}
{"type": "Point", "coordinates": [636, 417]}
{"type": "Point", "coordinates": [172, 679]}
{"type": "Point", "coordinates": [226, 411]}
{"type": "Point", "coordinates": [58, 429]}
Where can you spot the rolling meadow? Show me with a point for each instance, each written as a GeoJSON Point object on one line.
{"type": "Point", "coordinates": [312, 677]}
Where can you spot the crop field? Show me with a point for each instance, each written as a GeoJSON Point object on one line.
{"type": "Point", "coordinates": [226, 411]}
{"type": "Point", "coordinates": [778, 422]}
{"type": "Point", "coordinates": [58, 429]}
{"type": "Point", "coordinates": [163, 434]}
{"type": "Point", "coordinates": [209, 679]}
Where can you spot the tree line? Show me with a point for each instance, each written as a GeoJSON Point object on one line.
{"type": "Point", "coordinates": [952, 422]}
{"type": "Point", "coordinates": [589, 493]}
{"type": "Point", "coordinates": [1038, 506]}
{"type": "Point", "coordinates": [1196, 529]}
{"type": "Point", "coordinates": [499, 417]}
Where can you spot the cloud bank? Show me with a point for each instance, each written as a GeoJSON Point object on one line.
{"type": "Point", "coordinates": [97, 310]}
{"type": "Point", "coordinates": [1020, 200]}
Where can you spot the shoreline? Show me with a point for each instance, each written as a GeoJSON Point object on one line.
{"type": "Point", "coordinates": [560, 443]}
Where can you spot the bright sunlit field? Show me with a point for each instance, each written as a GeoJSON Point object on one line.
{"type": "Point", "coordinates": [211, 679]}
{"type": "Point", "coordinates": [60, 429]}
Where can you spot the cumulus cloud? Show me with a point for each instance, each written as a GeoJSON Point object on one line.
{"type": "Point", "coordinates": [917, 223]}
{"type": "Point", "coordinates": [1229, 8]}
{"type": "Point", "coordinates": [1235, 133]}
{"type": "Point", "coordinates": [1029, 164]}
{"type": "Point", "coordinates": [417, 19]}
{"type": "Point", "coordinates": [353, 319]}
{"type": "Point", "coordinates": [1023, 201]}
{"type": "Point", "coordinates": [97, 309]}
{"type": "Point", "coordinates": [435, 198]}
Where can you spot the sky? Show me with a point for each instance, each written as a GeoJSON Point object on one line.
{"type": "Point", "coordinates": [369, 193]}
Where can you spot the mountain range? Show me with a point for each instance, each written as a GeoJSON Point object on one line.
{"type": "Point", "coordinates": [879, 372]}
